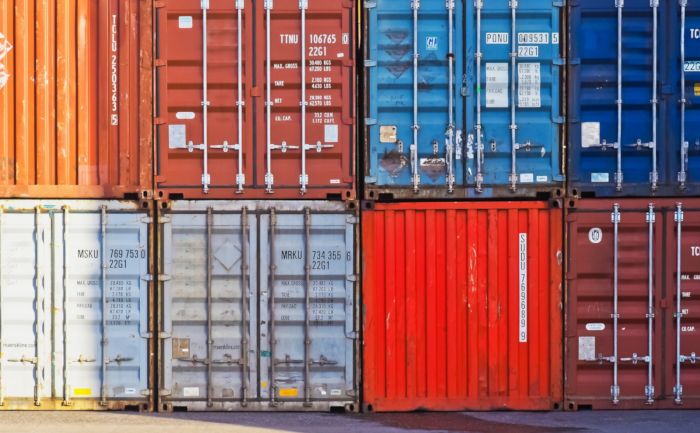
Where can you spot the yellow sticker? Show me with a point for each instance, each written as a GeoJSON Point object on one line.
{"type": "Point", "coordinates": [696, 87]}
{"type": "Point", "coordinates": [82, 391]}
{"type": "Point", "coordinates": [289, 392]}
{"type": "Point", "coordinates": [263, 384]}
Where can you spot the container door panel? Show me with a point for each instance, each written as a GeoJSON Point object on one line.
{"type": "Point", "coordinates": [415, 103]}
{"type": "Point", "coordinates": [209, 308]}
{"type": "Point", "coordinates": [309, 298]}
{"type": "Point", "coordinates": [520, 108]}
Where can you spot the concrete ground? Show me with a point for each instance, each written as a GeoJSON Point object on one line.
{"type": "Point", "coordinates": [493, 422]}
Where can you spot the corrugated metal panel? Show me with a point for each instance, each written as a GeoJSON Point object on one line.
{"type": "Point", "coordinates": [254, 138]}
{"type": "Point", "coordinates": [624, 295]}
{"type": "Point", "coordinates": [626, 87]}
{"type": "Point", "coordinates": [257, 280]}
{"type": "Point", "coordinates": [462, 306]}
{"type": "Point", "coordinates": [75, 99]}
{"type": "Point", "coordinates": [74, 305]}
{"type": "Point", "coordinates": [424, 77]}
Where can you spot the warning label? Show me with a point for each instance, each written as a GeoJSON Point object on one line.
{"type": "Point", "coordinates": [497, 85]}
{"type": "Point", "coordinates": [529, 79]}
{"type": "Point", "coordinates": [5, 47]}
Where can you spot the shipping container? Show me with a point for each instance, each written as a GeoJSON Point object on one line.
{"type": "Point", "coordinates": [75, 294]}
{"type": "Point", "coordinates": [462, 306]}
{"type": "Point", "coordinates": [255, 99]}
{"type": "Point", "coordinates": [450, 113]}
{"type": "Point", "coordinates": [257, 307]}
{"type": "Point", "coordinates": [633, 322]}
{"type": "Point", "coordinates": [634, 91]}
{"type": "Point", "coordinates": [76, 99]}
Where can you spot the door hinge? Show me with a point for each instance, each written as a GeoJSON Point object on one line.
{"type": "Point", "coordinates": [161, 277]}
{"type": "Point", "coordinates": [164, 392]}
{"type": "Point", "coordinates": [164, 335]}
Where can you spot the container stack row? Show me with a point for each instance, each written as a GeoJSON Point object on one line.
{"type": "Point", "coordinates": [338, 205]}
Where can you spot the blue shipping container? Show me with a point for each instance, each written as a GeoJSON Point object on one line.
{"type": "Point", "coordinates": [631, 83]}
{"type": "Point", "coordinates": [486, 123]}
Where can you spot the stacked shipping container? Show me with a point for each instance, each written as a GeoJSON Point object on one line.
{"type": "Point", "coordinates": [631, 331]}
{"type": "Point", "coordinates": [462, 299]}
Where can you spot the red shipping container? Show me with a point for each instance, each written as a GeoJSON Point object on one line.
{"type": "Point", "coordinates": [628, 356]}
{"type": "Point", "coordinates": [76, 99]}
{"type": "Point", "coordinates": [233, 119]}
{"type": "Point", "coordinates": [462, 306]}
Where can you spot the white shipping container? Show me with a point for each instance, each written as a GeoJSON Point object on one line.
{"type": "Point", "coordinates": [74, 305]}
{"type": "Point", "coordinates": [258, 306]}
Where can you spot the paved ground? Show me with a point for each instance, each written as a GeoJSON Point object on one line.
{"type": "Point", "coordinates": [495, 422]}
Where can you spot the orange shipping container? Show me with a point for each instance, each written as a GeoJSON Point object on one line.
{"type": "Point", "coordinates": [76, 98]}
{"type": "Point", "coordinates": [462, 306]}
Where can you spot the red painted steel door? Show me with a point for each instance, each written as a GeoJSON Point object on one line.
{"type": "Point", "coordinates": [462, 306]}
{"type": "Point", "coordinates": [234, 120]}
{"type": "Point", "coordinates": [622, 311]}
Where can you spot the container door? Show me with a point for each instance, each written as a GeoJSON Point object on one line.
{"type": "Point", "coordinates": [209, 309]}
{"type": "Point", "coordinates": [204, 125]}
{"type": "Point", "coordinates": [683, 300]}
{"type": "Point", "coordinates": [308, 127]}
{"type": "Point", "coordinates": [25, 306]}
{"type": "Point", "coordinates": [617, 138]}
{"type": "Point", "coordinates": [307, 308]}
{"type": "Point", "coordinates": [514, 128]}
{"type": "Point", "coordinates": [415, 121]}
{"type": "Point", "coordinates": [686, 106]}
{"type": "Point", "coordinates": [614, 281]}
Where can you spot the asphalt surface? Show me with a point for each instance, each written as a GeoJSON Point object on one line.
{"type": "Point", "coordinates": [492, 422]}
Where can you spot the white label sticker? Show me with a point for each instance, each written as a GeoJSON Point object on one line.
{"type": "Point", "coordinates": [497, 85]}
{"type": "Point", "coordinates": [431, 43]}
{"type": "Point", "coordinates": [330, 134]}
{"type": "Point", "coordinates": [529, 79]}
{"type": "Point", "coordinates": [600, 177]}
{"type": "Point", "coordinates": [527, 177]}
{"type": "Point", "coordinates": [5, 46]}
{"type": "Point", "coordinates": [184, 115]}
{"type": "Point", "coordinates": [522, 272]}
{"type": "Point", "coordinates": [595, 235]}
{"type": "Point", "coordinates": [336, 392]}
{"type": "Point", "coordinates": [177, 136]}
{"type": "Point", "coordinates": [528, 51]}
{"type": "Point", "coordinates": [335, 181]}
{"type": "Point", "coordinates": [595, 326]}
{"type": "Point", "coordinates": [692, 66]}
{"type": "Point", "coordinates": [590, 134]}
{"type": "Point", "coordinates": [542, 179]}
{"type": "Point", "coordinates": [533, 38]}
{"type": "Point", "coordinates": [586, 348]}
{"type": "Point", "coordinates": [497, 38]}
{"type": "Point", "coordinates": [130, 391]}
{"type": "Point", "coordinates": [185, 22]}
{"type": "Point", "coordinates": [190, 391]}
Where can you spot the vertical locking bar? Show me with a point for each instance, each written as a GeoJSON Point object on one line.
{"type": "Point", "coordinates": [245, 322]}
{"type": "Point", "coordinates": [2, 281]}
{"type": "Point", "coordinates": [478, 4]}
{"type": "Point", "coordinates": [205, 98]}
{"type": "Point", "coordinates": [104, 341]}
{"type": "Point", "coordinates": [682, 174]}
{"type": "Point", "coordinates": [649, 390]}
{"type": "Point", "coordinates": [415, 5]}
{"type": "Point", "coordinates": [307, 301]}
{"type": "Point", "coordinates": [273, 270]}
{"type": "Point", "coordinates": [210, 340]}
{"type": "Point", "coordinates": [304, 178]}
{"type": "Point", "coordinates": [513, 75]}
{"type": "Point", "coordinates": [240, 103]}
{"type": "Point", "coordinates": [64, 325]}
{"type": "Point", "coordinates": [269, 177]}
{"type": "Point", "coordinates": [654, 175]}
{"type": "Point", "coordinates": [615, 388]}
{"type": "Point", "coordinates": [678, 389]}
{"type": "Point", "coordinates": [619, 4]}
{"type": "Point", "coordinates": [38, 347]}
{"type": "Point", "coordinates": [450, 147]}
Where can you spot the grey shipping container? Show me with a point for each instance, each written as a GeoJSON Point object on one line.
{"type": "Point", "coordinates": [258, 306]}
{"type": "Point", "coordinates": [75, 329]}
